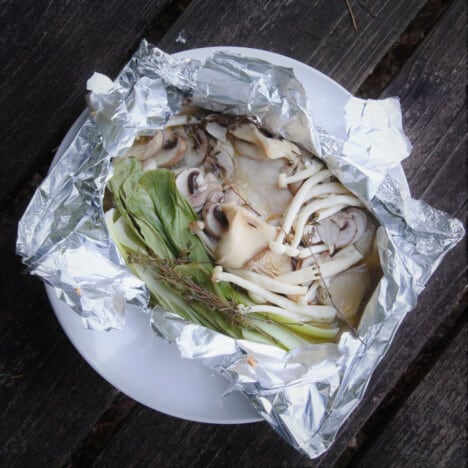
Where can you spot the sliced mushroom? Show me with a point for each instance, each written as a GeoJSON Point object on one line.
{"type": "Point", "coordinates": [246, 236]}
{"type": "Point", "coordinates": [183, 119]}
{"type": "Point", "coordinates": [164, 147]}
{"type": "Point", "coordinates": [144, 148]}
{"type": "Point", "coordinates": [172, 151]}
{"type": "Point", "coordinates": [342, 229]}
{"type": "Point", "coordinates": [221, 161]}
{"type": "Point", "coordinates": [217, 131]}
{"type": "Point", "coordinates": [150, 164]}
{"type": "Point", "coordinates": [213, 215]}
{"type": "Point", "coordinates": [195, 186]}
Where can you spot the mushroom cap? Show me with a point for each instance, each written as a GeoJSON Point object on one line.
{"type": "Point", "coordinates": [172, 150]}
{"type": "Point", "coordinates": [270, 264]}
{"type": "Point", "coordinates": [213, 214]}
{"type": "Point", "coordinates": [195, 186]}
{"type": "Point", "coordinates": [165, 147]}
{"type": "Point", "coordinates": [342, 229]}
{"type": "Point", "coordinates": [256, 182]}
{"type": "Point", "coordinates": [146, 148]}
{"type": "Point", "coordinates": [198, 145]}
{"type": "Point", "coordinates": [256, 143]}
{"type": "Point", "coordinates": [246, 236]}
{"type": "Point", "coordinates": [347, 289]}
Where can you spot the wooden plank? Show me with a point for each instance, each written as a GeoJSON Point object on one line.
{"type": "Point", "coordinates": [216, 445]}
{"type": "Point", "coordinates": [317, 32]}
{"type": "Point", "coordinates": [49, 48]}
{"type": "Point", "coordinates": [250, 445]}
{"type": "Point", "coordinates": [433, 415]}
{"type": "Point", "coordinates": [200, 445]}
{"type": "Point", "coordinates": [431, 87]}
{"type": "Point", "coordinates": [149, 438]}
{"type": "Point", "coordinates": [49, 396]}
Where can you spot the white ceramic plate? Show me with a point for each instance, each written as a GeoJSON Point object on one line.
{"type": "Point", "coordinates": [144, 366]}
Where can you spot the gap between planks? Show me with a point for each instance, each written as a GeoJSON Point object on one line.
{"type": "Point", "coordinates": [374, 85]}
{"type": "Point", "coordinates": [121, 398]}
{"type": "Point", "coordinates": [407, 384]}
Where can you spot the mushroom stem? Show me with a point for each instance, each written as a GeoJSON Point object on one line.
{"type": "Point", "coordinates": [327, 212]}
{"type": "Point", "coordinates": [315, 312]}
{"type": "Point", "coordinates": [308, 251]}
{"type": "Point", "coordinates": [317, 205]}
{"type": "Point", "coordinates": [294, 207]}
{"type": "Point", "coordinates": [312, 291]}
{"type": "Point", "coordinates": [349, 256]}
{"type": "Point", "coordinates": [284, 180]}
{"type": "Point", "coordinates": [327, 188]}
{"type": "Point", "coordinates": [270, 283]}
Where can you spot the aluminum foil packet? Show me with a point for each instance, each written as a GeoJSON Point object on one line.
{"type": "Point", "coordinates": [305, 394]}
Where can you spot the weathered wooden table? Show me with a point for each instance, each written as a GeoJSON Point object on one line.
{"type": "Point", "coordinates": [55, 410]}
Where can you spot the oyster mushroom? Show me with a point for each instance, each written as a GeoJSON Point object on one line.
{"type": "Point", "coordinates": [213, 215]}
{"type": "Point", "coordinates": [195, 186]}
{"type": "Point", "coordinates": [246, 236]}
{"type": "Point", "coordinates": [270, 263]}
{"type": "Point", "coordinates": [347, 290]}
{"type": "Point", "coordinates": [255, 183]}
{"type": "Point", "coordinates": [256, 143]}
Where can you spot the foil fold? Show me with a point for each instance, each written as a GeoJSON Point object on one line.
{"type": "Point", "coordinates": [305, 394]}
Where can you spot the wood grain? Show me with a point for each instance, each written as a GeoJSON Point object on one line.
{"type": "Point", "coordinates": [432, 118]}
{"type": "Point", "coordinates": [48, 412]}
{"type": "Point", "coordinates": [49, 48]}
{"type": "Point", "coordinates": [49, 397]}
{"type": "Point", "coordinates": [259, 446]}
{"type": "Point", "coordinates": [316, 32]}
{"type": "Point", "coordinates": [163, 441]}
{"type": "Point", "coordinates": [432, 415]}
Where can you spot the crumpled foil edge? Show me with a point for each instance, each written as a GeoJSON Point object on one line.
{"type": "Point", "coordinates": [306, 394]}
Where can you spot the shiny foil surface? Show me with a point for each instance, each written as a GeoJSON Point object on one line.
{"type": "Point", "coordinates": [305, 394]}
